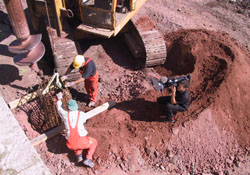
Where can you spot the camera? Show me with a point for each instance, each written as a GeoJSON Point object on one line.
{"type": "Point", "coordinates": [173, 82]}
{"type": "Point", "coordinates": [166, 82]}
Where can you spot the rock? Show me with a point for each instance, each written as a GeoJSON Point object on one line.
{"type": "Point", "coordinates": [100, 80]}
{"type": "Point", "coordinates": [67, 163]}
{"type": "Point", "coordinates": [232, 1]}
{"type": "Point", "coordinates": [140, 161]}
{"type": "Point", "coordinates": [162, 167]}
{"type": "Point", "coordinates": [40, 73]}
{"type": "Point", "coordinates": [226, 172]}
{"type": "Point", "coordinates": [123, 167]}
{"type": "Point", "coordinates": [150, 152]}
{"type": "Point", "coordinates": [184, 124]}
{"type": "Point", "coordinates": [132, 168]}
{"type": "Point", "coordinates": [170, 154]}
{"type": "Point", "coordinates": [156, 153]}
{"type": "Point", "coordinates": [98, 160]}
{"type": "Point", "coordinates": [229, 161]}
{"type": "Point", "coordinates": [175, 131]}
{"type": "Point", "coordinates": [237, 163]}
{"type": "Point", "coordinates": [241, 159]}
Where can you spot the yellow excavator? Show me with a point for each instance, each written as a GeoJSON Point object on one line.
{"type": "Point", "coordinates": [68, 21]}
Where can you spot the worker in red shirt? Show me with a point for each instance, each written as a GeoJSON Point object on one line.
{"type": "Point", "coordinates": [75, 133]}
{"type": "Point", "coordinates": [89, 75]}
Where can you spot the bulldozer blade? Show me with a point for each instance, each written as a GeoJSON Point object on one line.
{"type": "Point", "coordinates": [157, 84]}
{"type": "Point", "coordinates": [31, 57]}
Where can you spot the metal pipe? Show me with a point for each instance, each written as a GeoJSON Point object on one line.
{"type": "Point", "coordinates": [17, 19]}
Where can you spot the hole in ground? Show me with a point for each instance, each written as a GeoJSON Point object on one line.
{"type": "Point", "coordinates": [180, 59]}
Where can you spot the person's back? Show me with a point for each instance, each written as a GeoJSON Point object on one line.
{"type": "Point", "coordinates": [182, 98]}
{"type": "Point", "coordinates": [76, 134]}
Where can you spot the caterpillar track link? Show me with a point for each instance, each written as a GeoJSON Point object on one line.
{"type": "Point", "coordinates": [145, 42]}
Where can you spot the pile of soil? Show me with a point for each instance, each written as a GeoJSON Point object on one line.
{"type": "Point", "coordinates": [210, 137]}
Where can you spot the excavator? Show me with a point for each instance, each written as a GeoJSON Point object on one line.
{"type": "Point", "coordinates": [65, 22]}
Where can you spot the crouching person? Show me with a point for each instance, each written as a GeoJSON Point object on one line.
{"type": "Point", "coordinates": [178, 101]}
{"type": "Point", "coordinates": [76, 134]}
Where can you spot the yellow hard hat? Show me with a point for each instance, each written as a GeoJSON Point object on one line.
{"type": "Point", "coordinates": [78, 61]}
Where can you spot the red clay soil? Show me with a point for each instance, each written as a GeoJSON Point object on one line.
{"type": "Point", "coordinates": [211, 137]}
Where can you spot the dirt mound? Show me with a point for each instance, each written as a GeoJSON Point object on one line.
{"type": "Point", "coordinates": [218, 67]}
{"type": "Point", "coordinates": [210, 137]}
{"type": "Point", "coordinates": [208, 56]}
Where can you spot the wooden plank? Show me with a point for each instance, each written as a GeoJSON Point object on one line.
{"type": "Point", "coordinates": [23, 100]}
{"type": "Point", "coordinates": [59, 129]}
{"type": "Point", "coordinates": [45, 136]}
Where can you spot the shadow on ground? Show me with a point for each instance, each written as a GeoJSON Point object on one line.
{"type": "Point", "coordinates": [141, 110]}
{"type": "Point", "coordinates": [9, 74]}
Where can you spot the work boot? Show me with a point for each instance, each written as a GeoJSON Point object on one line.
{"type": "Point", "coordinates": [79, 158]}
{"type": "Point", "coordinates": [91, 104]}
{"type": "Point", "coordinates": [88, 163]}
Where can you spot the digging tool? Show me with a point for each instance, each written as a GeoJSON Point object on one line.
{"type": "Point", "coordinates": [59, 129]}
{"type": "Point", "coordinates": [29, 48]}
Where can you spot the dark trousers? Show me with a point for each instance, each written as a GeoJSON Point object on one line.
{"type": "Point", "coordinates": [168, 108]}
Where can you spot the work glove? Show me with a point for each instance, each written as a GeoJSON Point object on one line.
{"type": "Point", "coordinates": [59, 96]}
{"type": "Point", "coordinates": [69, 84]}
{"type": "Point", "coordinates": [63, 78]}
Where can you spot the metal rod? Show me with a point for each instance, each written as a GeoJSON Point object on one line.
{"type": "Point", "coordinates": [17, 18]}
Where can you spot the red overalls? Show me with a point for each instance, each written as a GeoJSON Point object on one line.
{"type": "Point", "coordinates": [77, 143]}
{"type": "Point", "coordinates": [91, 84]}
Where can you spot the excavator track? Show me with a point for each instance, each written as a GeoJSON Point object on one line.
{"type": "Point", "coordinates": [145, 42]}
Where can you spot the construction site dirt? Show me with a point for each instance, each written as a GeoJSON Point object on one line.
{"type": "Point", "coordinates": [208, 40]}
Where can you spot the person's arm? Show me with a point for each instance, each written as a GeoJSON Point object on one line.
{"type": "Point", "coordinates": [72, 83]}
{"type": "Point", "coordinates": [62, 113]}
{"type": "Point", "coordinates": [70, 68]}
{"type": "Point", "coordinates": [60, 110]}
{"type": "Point", "coordinates": [79, 80]}
{"type": "Point", "coordinates": [173, 100]}
{"type": "Point", "coordinates": [84, 117]}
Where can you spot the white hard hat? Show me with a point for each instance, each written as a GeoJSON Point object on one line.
{"type": "Point", "coordinates": [78, 61]}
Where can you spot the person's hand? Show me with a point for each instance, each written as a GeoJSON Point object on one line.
{"type": "Point", "coordinates": [173, 89]}
{"type": "Point", "coordinates": [54, 100]}
{"type": "Point", "coordinates": [59, 96]}
{"type": "Point", "coordinates": [63, 78]}
{"type": "Point", "coordinates": [69, 84]}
